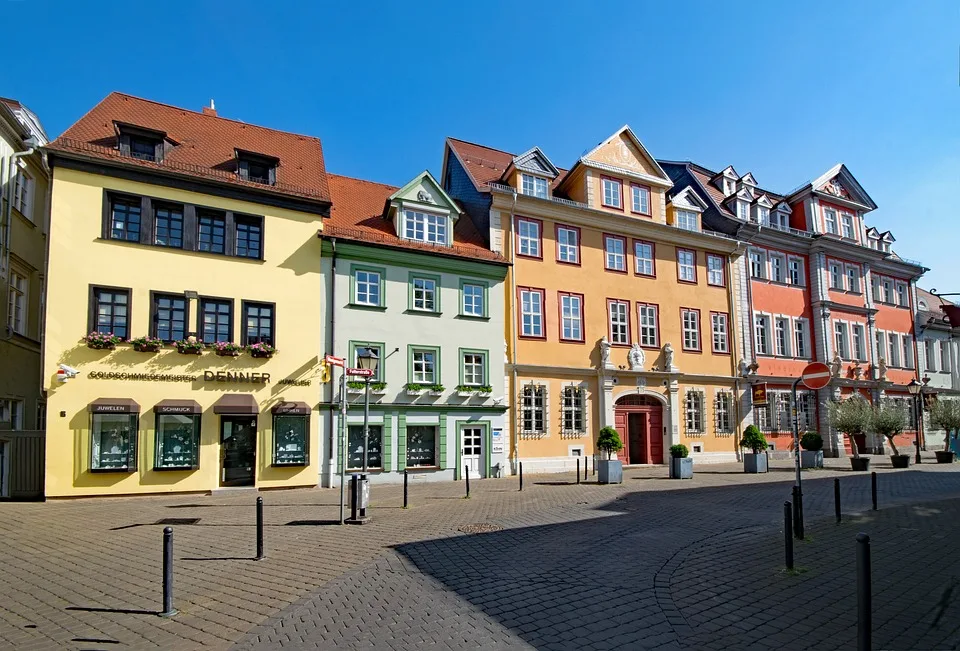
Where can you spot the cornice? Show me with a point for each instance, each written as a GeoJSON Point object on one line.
{"type": "Point", "coordinates": [623, 171]}
{"type": "Point", "coordinates": [611, 372]}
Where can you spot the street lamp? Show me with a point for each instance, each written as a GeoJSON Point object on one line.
{"type": "Point", "coordinates": [368, 360]}
{"type": "Point", "coordinates": [914, 388]}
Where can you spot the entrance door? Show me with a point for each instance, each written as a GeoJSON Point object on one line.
{"type": "Point", "coordinates": [238, 450]}
{"type": "Point", "coordinates": [637, 432]}
{"type": "Point", "coordinates": [471, 453]}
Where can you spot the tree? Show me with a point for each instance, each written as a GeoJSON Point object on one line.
{"type": "Point", "coordinates": [945, 414]}
{"type": "Point", "coordinates": [851, 417]}
{"type": "Point", "coordinates": [753, 439]}
{"type": "Point", "coordinates": [888, 419]}
{"type": "Point", "coordinates": [609, 441]}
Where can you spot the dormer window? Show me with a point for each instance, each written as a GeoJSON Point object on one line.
{"type": "Point", "coordinates": [729, 187]}
{"type": "Point", "coordinates": [143, 148]}
{"type": "Point", "coordinates": [763, 215]}
{"type": "Point", "coordinates": [743, 210]}
{"type": "Point", "coordinates": [533, 186]}
{"type": "Point", "coordinates": [140, 143]}
{"type": "Point", "coordinates": [779, 220]}
{"type": "Point", "coordinates": [687, 220]}
{"type": "Point", "coordinates": [830, 220]}
{"type": "Point", "coordinates": [257, 168]}
{"type": "Point", "coordinates": [425, 227]}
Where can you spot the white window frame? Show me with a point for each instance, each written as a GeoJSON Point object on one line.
{"type": "Point", "coordinates": [573, 410]}
{"type": "Point", "coordinates": [17, 302]}
{"type": "Point", "coordinates": [781, 336]}
{"type": "Point", "coordinates": [528, 237]}
{"type": "Point", "coordinates": [945, 361]}
{"type": "Point", "coordinates": [853, 277]}
{"type": "Point", "coordinates": [722, 412]}
{"type": "Point", "coordinates": [23, 193]}
{"type": "Point", "coordinates": [640, 199]}
{"type": "Point", "coordinates": [615, 260]}
{"type": "Point", "coordinates": [895, 349]}
{"type": "Point", "coordinates": [835, 270]}
{"type": "Point", "coordinates": [686, 271]}
{"type": "Point", "coordinates": [424, 370]}
{"type": "Point", "coordinates": [611, 199]}
{"type": "Point", "coordinates": [758, 264]}
{"type": "Point", "coordinates": [930, 356]}
{"type": "Point", "coordinates": [427, 227]}
{"type": "Point", "coordinates": [841, 339]}
{"type": "Point", "coordinates": [471, 308]}
{"type": "Point", "coordinates": [644, 265]}
{"type": "Point", "coordinates": [847, 226]}
{"type": "Point", "coordinates": [687, 220]}
{"type": "Point", "coordinates": [537, 185]}
{"type": "Point", "coordinates": [743, 210]}
{"type": "Point", "coordinates": [720, 329]}
{"type": "Point", "coordinates": [801, 338]}
{"type": "Point", "coordinates": [830, 221]}
{"type": "Point", "coordinates": [568, 245]}
{"type": "Point", "coordinates": [648, 330]}
{"type": "Point", "coordinates": [618, 319]}
{"type": "Point", "coordinates": [373, 282]}
{"type": "Point", "coordinates": [762, 334]}
{"type": "Point", "coordinates": [694, 409]}
{"type": "Point", "coordinates": [903, 296]}
{"type": "Point", "coordinates": [795, 273]}
{"type": "Point", "coordinates": [908, 351]}
{"type": "Point", "coordinates": [473, 368]}
{"type": "Point", "coordinates": [778, 260]}
{"type": "Point", "coordinates": [858, 342]}
{"type": "Point", "coordinates": [535, 320]}
{"type": "Point", "coordinates": [715, 270]}
{"type": "Point", "coordinates": [780, 220]}
{"type": "Point", "coordinates": [533, 409]}
{"type": "Point", "coordinates": [690, 325]}
{"type": "Point", "coordinates": [571, 317]}
{"type": "Point", "coordinates": [424, 296]}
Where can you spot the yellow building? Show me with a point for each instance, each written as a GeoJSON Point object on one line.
{"type": "Point", "coordinates": [183, 341]}
{"type": "Point", "coordinates": [620, 307]}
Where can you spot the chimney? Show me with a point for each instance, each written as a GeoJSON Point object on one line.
{"type": "Point", "coordinates": [210, 110]}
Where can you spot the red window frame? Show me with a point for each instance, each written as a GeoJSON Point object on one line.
{"type": "Point", "coordinates": [723, 270]}
{"type": "Point", "coordinates": [649, 199]}
{"type": "Point", "coordinates": [516, 231]}
{"type": "Point", "coordinates": [683, 340]}
{"type": "Point", "coordinates": [653, 253]}
{"type": "Point", "coordinates": [622, 301]}
{"type": "Point", "coordinates": [543, 312]}
{"type": "Point", "coordinates": [679, 279]}
{"type": "Point", "coordinates": [603, 201]}
{"type": "Point", "coordinates": [713, 348]}
{"type": "Point", "coordinates": [656, 345]}
{"type": "Point", "coordinates": [556, 235]}
{"type": "Point", "coordinates": [583, 318]}
{"type": "Point", "coordinates": [626, 253]}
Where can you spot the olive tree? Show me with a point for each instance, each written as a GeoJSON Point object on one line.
{"type": "Point", "coordinates": [945, 414]}
{"type": "Point", "coordinates": [852, 417]}
{"type": "Point", "coordinates": [889, 419]}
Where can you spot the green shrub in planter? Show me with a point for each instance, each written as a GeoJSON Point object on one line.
{"type": "Point", "coordinates": [609, 441]}
{"type": "Point", "coordinates": [609, 471]}
{"type": "Point", "coordinates": [679, 451]}
{"type": "Point", "coordinates": [811, 441]}
{"type": "Point", "coordinates": [754, 440]}
{"type": "Point", "coordinates": [681, 465]}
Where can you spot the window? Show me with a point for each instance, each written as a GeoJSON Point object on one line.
{"type": "Point", "coordinates": [761, 333]}
{"type": "Point", "coordinates": [143, 148]}
{"type": "Point", "coordinates": [424, 294]}
{"type": "Point", "coordinates": [640, 199]}
{"type": "Point", "coordinates": [721, 337]}
{"type": "Point", "coordinates": [211, 232]}
{"type": "Point", "coordinates": [881, 341]}
{"type": "Point", "coordinates": [877, 296]}
{"type": "Point", "coordinates": [612, 193]}
{"type": "Point", "coordinates": [531, 312]}
{"type": "Point", "coordinates": [11, 411]}
{"type": "Point", "coordinates": [474, 365]}
{"type": "Point", "coordinates": [421, 445]}
{"type": "Point", "coordinates": [619, 315]}
{"type": "Point", "coordinates": [568, 244]}
{"type": "Point", "coordinates": [534, 186]}
{"type": "Point", "coordinates": [125, 219]}
{"type": "Point", "coordinates": [945, 356]}
{"type": "Point", "coordinates": [841, 341]}
{"type": "Point", "coordinates": [473, 299]}
{"type": "Point", "coordinates": [846, 225]}
{"type": "Point", "coordinates": [169, 317]}
{"type": "Point", "coordinates": [776, 268]}
{"type": "Point", "coordinates": [528, 238]}
{"type": "Point", "coordinates": [763, 215]}
{"type": "Point", "coordinates": [571, 316]}
{"type": "Point", "coordinates": [715, 270]}
{"type": "Point", "coordinates": [177, 440]}
{"type": "Point", "coordinates": [902, 299]}
{"type": "Point", "coordinates": [853, 278]}
{"type": "Point", "coordinates": [367, 287]}
{"type": "Point", "coordinates": [216, 320]}
{"type": "Point", "coordinates": [258, 326]}
{"type": "Point", "coordinates": [801, 337]}
{"type": "Point", "coordinates": [830, 220]}
{"type": "Point", "coordinates": [616, 253]}
{"type": "Point", "coordinates": [887, 291]}
{"type": "Point", "coordinates": [258, 169]}
{"type": "Point", "coordinates": [533, 409]}
{"type": "Point", "coordinates": [859, 343]}
{"type": "Point", "coordinates": [113, 442]}
{"type": "Point", "coordinates": [291, 440]}
{"type": "Point", "coordinates": [110, 312]}
{"type": "Point", "coordinates": [423, 366]}
{"type": "Point", "coordinates": [722, 412]}
{"type": "Point", "coordinates": [572, 400]}
{"type": "Point", "coordinates": [691, 328]}
{"type": "Point", "coordinates": [358, 347]}
{"type": "Point", "coordinates": [894, 349]}
{"type": "Point", "coordinates": [780, 221]}
{"type": "Point", "coordinates": [796, 271]}
{"type": "Point", "coordinates": [908, 352]}
{"type": "Point", "coordinates": [645, 265]}
{"type": "Point", "coordinates": [782, 406]}
{"type": "Point", "coordinates": [930, 356]}
{"type": "Point", "coordinates": [686, 266]}
{"type": "Point", "coordinates": [836, 276]}
{"type": "Point", "coordinates": [758, 264]}
{"type": "Point", "coordinates": [374, 446]}
{"type": "Point", "coordinates": [647, 324]}
{"type": "Point", "coordinates": [17, 303]}
{"type": "Point", "coordinates": [249, 235]}
{"type": "Point", "coordinates": [693, 410]}
{"type": "Point", "coordinates": [761, 416]}
{"type": "Point", "coordinates": [425, 227]}
{"type": "Point", "coordinates": [743, 210]}
{"type": "Point", "coordinates": [688, 220]}
{"type": "Point", "coordinates": [23, 193]}
{"type": "Point", "coordinates": [781, 336]}
{"type": "Point", "coordinates": [805, 415]}
{"type": "Point", "coordinates": [169, 226]}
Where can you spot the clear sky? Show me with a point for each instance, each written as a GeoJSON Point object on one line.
{"type": "Point", "coordinates": [781, 89]}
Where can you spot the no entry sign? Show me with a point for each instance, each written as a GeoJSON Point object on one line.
{"type": "Point", "coordinates": [815, 375]}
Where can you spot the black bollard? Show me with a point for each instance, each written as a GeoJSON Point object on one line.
{"type": "Point", "coordinates": [466, 475]}
{"type": "Point", "coordinates": [578, 470]}
{"type": "Point", "coordinates": [836, 498]}
{"type": "Point", "coordinates": [797, 513]}
{"type": "Point", "coordinates": [521, 475]}
{"type": "Point", "coordinates": [406, 477]}
{"type": "Point", "coordinates": [873, 489]}
{"type": "Point", "coordinates": [788, 534]}
{"type": "Point", "coordinates": [586, 462]}
{"type": "Point", "coordinates": [168, 610]}
{"type": "Point", "coordinates": [354, 497]}
{"type": "Point", "coordinates": [864, 594]}
{"type": "Point", "coordinates": [260, 555]}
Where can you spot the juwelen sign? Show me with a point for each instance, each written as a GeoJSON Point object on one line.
{"type": "Point", "coordinates": [815, 375]}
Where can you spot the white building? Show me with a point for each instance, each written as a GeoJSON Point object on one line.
{"type": "Point", "coordinates": [939, 355]}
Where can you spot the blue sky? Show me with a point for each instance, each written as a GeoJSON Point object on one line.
{"type": "Point", "coordinates": [784, 90]}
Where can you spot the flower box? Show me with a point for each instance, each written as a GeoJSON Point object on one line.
{"type": "Point", "coordinates": [227, 349]}
{"type": "Point", "coordinates": [414, 389]}
{"type": "Point", "coordinates": [473, 391]}
{"type": "Point", "coordinates": [102, 340]}
{"type": "Point", "coordinates": [261, 350]}
{"type": "Point", "coordinates": [190, 346]}
{"type": "Point", "coordinates": [147, 344]}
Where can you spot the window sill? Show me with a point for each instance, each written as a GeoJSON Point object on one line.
{"type": "Point", "coordinates": [422, 312]}
{"type": "Point", "coordinates": [361, 470]}
{"type": "Point", "coordinates": [361, 306]}
{"type": "Point", "coordinates": [299, 464]}
{"type": "Point", "coordinates": [472, 317]}
{"type": "Point", "coordinates": [175, 468]}
{"type": "Point", "coordinates": [424, 468]}
{"type": "Point", "coordinates": [26, 220]}
{"type": "Point", "coordinates": [121, 470]}
{"type": "Point", "coordinates": [163, 247]}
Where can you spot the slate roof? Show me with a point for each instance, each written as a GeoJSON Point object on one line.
{"type": "Point", "coordinates": [486, 165]}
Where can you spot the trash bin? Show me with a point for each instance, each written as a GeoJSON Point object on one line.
{"type": "Point", "coordinates": [359, 497]}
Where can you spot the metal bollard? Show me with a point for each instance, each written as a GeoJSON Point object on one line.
{"type": "Point", "coordinates": [260, 555]}
{"type": "Point", "coordinates": [360, 485]}
{"type": "Point", "coordinates": [797, 513]}
{"type": "Point", "coordinates": [466, 475]}
{"type": "Point", "coordinates": [168, 610]}
{"type": "Point", "coordinates": [405, 484]}
{"type": "Point", "coordinates": [578, 470]}
{"type": "Point", "coordinates": [836, 498]}
{"type": "Point", "coordinates": [864, 594]}
{"type": "Point", "coordinates": [586, 462]}
{"type": "Point", "coordinates": [521, 475]}
{"type": "Point", "coordinates": [873, 489]}
{"type": "Point", "coordinates": [354, 497]}
{"type": "Point", "coordinates": [788, 534]}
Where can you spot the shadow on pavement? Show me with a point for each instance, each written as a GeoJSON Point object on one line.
{"type": "Point", "coordinates": [121, 611]}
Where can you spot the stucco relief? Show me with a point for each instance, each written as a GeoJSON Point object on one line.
{"type": "Point", "coordinates": [621, 154]}
{"type": "Point", "coordinates": [636, 357]}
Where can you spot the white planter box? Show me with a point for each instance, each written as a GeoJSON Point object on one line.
{"type": "Point", "coordinates": [465, 394]}
{"type": "Point", "coordinates": [435, 393]}
{"type": "Point", "coordinates": [416, 392]}
{"type": "Point", "coordinates": [379, 392]}
{"type": "Point", "coordinates": [354, 392]}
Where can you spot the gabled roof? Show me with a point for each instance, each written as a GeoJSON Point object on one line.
{"type": "Point", "coordinates": [426, 196]}
{"type": "Point", "coordinates": [688, 199]}
{"type": "Point", "coordinates": [706, 179]}
{"type": "Point", "coordinates": [206, 146]}
{"type": "Point", "coordinates": [764, 200]}
{"type": "Point", "coordinates": [748, 179]}
{"type": "Point", "coordinates": [838, 183]}
{"type": "Point", "coordinates": [726, 172]}
{"type": "Point", "coordinates": [659, 177]}
{"type": "Point", "coordinates": [485, 165]}
{"type": "Point", "coordinates": [535, 162]}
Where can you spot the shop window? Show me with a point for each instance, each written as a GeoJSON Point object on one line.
{"type": "Point", "coordinates": [291, 436]}
{"type": "Point", "coordinates": [113, 442]}
{"type": "Point", "coordinates": [178, 442]}
{"type": "Point", "coordinates": [355, 447]}
{"type": "Point", "coordinates": [421, 445]}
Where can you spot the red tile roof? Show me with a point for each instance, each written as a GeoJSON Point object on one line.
{"type": "Point", "coordinates": [357, 215]}
{"type": "Point", "coordinates": [205, 145]}
{"type": "Point", "coordinates": [485, 164]}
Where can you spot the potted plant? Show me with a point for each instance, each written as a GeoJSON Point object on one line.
{"type": "Point", "coordinates": [189, 346]}
{"type": "Point", "coordinates": [851, 417]}
{"type": "Point", "coordinates": [681, 465]}
{"type": "Point", "coordinates": [414, 389]}
{"type": "Point", "coordinates": [756, 460]}
{"type": "Point", "coordinates": [379, 388]}
{"type": "Point", "coordinates": [945, 414]}
{"type": "Point", "coordinates": [470, 390]}
{"type": "Point", "coordinates": [435, 389]}
{"type": "Point", "coordinates": [227, 349]}
{"type": "Point", "coordinates": [147, 344]}
{"type": "Point", "coordinates": [888, 421]}
{"type": "Point", "coordinates": [355, 387]}
{"type": "Point", "coordinates": [609, 470]}
{"type": "Point", "coordinates": [102, 340]}
{"type": "Point", "coordinates": [262, 350]}
{"type": "Point", "coordinates": [811, 456]}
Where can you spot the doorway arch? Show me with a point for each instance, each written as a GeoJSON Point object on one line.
{"type": "Point", "coordinates": [638, 419]}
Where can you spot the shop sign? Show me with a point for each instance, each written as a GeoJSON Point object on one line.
{"type": "Point", "coordinates": [208, 376]}
{"type": "Point", "coordinates": [144, 377]}
{"type": "Point", "coordinates": [759, 394]}
{"type": "Point", "coordinates": [117, 409]}
{"type": "Point", "coordinates": [174, 410]}
{"type": "Point", "coordinates": [231, 376]}
{"type": "Point", "coordinates": [496, 446]}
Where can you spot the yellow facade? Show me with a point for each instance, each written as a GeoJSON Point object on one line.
{"type": "Point", "coordinates": [288, 276]}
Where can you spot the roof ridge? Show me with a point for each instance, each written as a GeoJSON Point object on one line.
{"type": "Point", "coordinates": [477, 144]}
{"type": "Point", "coordinates": [354, 178]}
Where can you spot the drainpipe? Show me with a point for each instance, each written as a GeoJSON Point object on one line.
{"type": "Point", "coordinates": [513, 335]}
{"type": "Point", "coordinates": [332, 308]}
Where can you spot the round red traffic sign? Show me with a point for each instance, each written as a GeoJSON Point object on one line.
{"type": "Point", "coordinates": [816, 375]}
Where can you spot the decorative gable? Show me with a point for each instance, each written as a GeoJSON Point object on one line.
{"type": "Point", "coordinates": [535, 161]}
{"type": "Point", "coordinates": [764, 201]}
{"type": "Point", "coordinates": [688, 199]}
{"type": "Point", "coordinates": [623, 153]}
{"type": "Point", "coordinates": [838, 182]}
{"type": "Point", "coordinates": [423, 212]}
{"type": "Point", "coordinates": [747, 179]}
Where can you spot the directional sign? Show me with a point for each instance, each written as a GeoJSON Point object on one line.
{"type": "Point", "coordinates": [363, 372]}
{"type": "Point", "coordinates": [815, 375]}
{"type": "Point", "coordinates": [334, 361]}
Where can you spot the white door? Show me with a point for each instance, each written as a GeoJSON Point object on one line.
{"type": "Point", "coordinates": [471, 454]}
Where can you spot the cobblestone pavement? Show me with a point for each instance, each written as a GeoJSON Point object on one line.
{"type": "Point", "coordinates": [651, 563]}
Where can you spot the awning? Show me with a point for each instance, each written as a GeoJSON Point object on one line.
{"type": "Point", "coordinates": [113, 406]}
{"type": "Point", "coordinates": [236, 403]}
{"type": "Point", "coordinates": [178, 407]}
{"type": "Point", "coordinates": [292, 408]}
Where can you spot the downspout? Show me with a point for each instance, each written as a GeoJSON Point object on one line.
{"type": "Point", "coordinates": [513, 336]}
{"type": "Point", "coordinates": [332, 308]}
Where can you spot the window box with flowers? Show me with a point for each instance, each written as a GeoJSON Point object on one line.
{"type": "Point", "coordinates": [189, 346]}
{"type": "Point", "coordinates": [102, 340]}
{"type": "Point", "coordinates": [414, 389]}
{"type": "Point", "coordinates": [474, 390]}
{"type": "Point", "coordinates": [147, 344]}
{"type": "Point", "coordinates": [262, 350]}
{"type": "Point", "coordinates": [227, 349]}
{"type": "Point", "coordinates": [435, 389]}
{"type": "Point", "coordinates": [357, 388]}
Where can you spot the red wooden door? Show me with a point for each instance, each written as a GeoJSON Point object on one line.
{"type": "Point", "coordinates": [620, 422]}
{"type": "Point", "coordinates": [655, 434]}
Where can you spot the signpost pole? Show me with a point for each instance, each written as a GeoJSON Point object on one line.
{"type": "Point", "coordinates": [796, 458]}
{"type": "Point", "coordinates": [343, 439]}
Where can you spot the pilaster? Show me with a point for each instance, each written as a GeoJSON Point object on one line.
{"type": "Point", "coordinates": [674, 409]}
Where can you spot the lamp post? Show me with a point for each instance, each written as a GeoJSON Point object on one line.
{"type": "Point", "coordinates": [367, 359]}
{"type": "Point", "coordinates": [914, 388]}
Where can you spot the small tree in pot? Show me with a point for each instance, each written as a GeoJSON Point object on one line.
{"type": "Point", "coordinates": [851, 417]}
{"type": "Point", "coordinates": [888, 421]}
{"type": "Point", "coordinates": [812, 454]}
{"type": "Point", "coordinates": [681, 465]}
{"type": "Point", "coordinates": [945, 414]}
{"type": "Point", "coordinates": [754, 440]}
{"type": "Point", "coordinates": [609, 470]}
